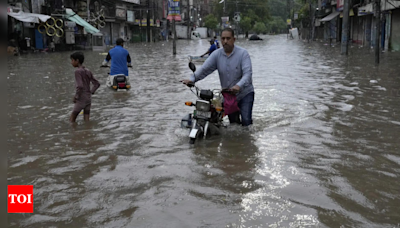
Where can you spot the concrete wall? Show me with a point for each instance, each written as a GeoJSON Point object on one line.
{"type": "Point", "coordinates": [395, 33]}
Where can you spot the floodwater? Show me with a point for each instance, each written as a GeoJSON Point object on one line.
{"type": "Point", "coordinates": [323, 150]}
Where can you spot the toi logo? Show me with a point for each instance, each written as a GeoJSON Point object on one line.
{"type": "Point", "coordinates": [20, 198]}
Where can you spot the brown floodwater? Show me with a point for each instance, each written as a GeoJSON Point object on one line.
{"type": "Point", "coordinates": [323, 150]}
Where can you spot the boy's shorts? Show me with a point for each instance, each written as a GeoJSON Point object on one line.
{"type": "Point", "coordinates": [79, 105]}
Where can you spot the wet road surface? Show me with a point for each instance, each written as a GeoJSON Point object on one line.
{"type": "Point", "coordinates": [323, 150]}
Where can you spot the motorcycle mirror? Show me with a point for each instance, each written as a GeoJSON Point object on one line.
{"type": "Point", "coordinates": [192, 66]}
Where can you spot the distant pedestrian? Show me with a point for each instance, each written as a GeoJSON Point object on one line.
{"type": "Point", "coordinates": [212, 48]}
{"type": "Point", "coordinates": [52, 46]}
{"type": "Point", "coordinates": [216, 41]}
{"type": "Point", "coordinates": [83, 94]}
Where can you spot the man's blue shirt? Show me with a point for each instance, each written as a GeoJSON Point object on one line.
{"type": "Point", "coordinates": [212, 48]}
{"type": "Point", "coordinates": [216, 43]}
{"type": "Point", "coordinates": [119, 59]}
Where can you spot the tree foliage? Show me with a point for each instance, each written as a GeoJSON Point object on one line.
{"type": "Point", "coordinates": [210, 21]}
{"type": "Point", "coordinates": [259, 27]}
{"type": "Point", "coordinates": [256, 10]}
{"type": "Point", "coordinates": [278, 8]}
{"type": "Point", "coordinates": [276, 25]}
{"type": "Point", "coordinates": [245, 25]}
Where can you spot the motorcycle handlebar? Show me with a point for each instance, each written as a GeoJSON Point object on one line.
{"type": "Point", "coordinates": [189, 84]}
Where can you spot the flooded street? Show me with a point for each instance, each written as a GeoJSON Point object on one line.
{"type": "Point", "coordinates": [323, 150]}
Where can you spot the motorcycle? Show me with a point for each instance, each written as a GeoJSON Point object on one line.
{"type": "Point", "coordinates": [207, 118]}
{"type": "Point", "coordinates": [119, 82]}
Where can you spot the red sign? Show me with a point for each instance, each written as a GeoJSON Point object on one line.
{"type": "Point", "coordinates": [20, 198]}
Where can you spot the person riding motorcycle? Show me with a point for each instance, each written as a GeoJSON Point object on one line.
{"type": "Point", "coordinates": [120, 61]}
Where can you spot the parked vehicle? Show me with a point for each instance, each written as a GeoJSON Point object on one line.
{"type": "Point", "coordinates": [181, 33]}
{"type": "Point", "coordinates": [255, 37]}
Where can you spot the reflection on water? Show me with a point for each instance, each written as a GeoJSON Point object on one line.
{"type": "Point", "coordinates": [323, 151]}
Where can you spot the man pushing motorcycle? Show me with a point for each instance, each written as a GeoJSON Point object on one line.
{"type": "Point", "coordinates": [120, 61]}
{"type": "Point", "coordinates": [235, 73]}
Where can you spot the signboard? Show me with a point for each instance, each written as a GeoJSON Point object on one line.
{"type": "Point", "coordinates": [351, 13]}
{"type": "Point", "coordinates": [69, 24]}
{"type": "Point", "coordinates": [365, 10]}
{"type": "Point", "coordinates": [225, 22]}
{"type": "Point", "coordinates": [120, 13]}
{"type": "Point", "coordinates": [174, 10]}
{"type": "Point", "coordinates": [144, 22]}
{"type": "Point", "coordinates": [158, 23]}
{"type": "Point", "coordinates": [130, 16]}
{"type": "Point", "coordinates": [340, 4]}
{"type": "Point", "coordinates": [289, 21]}
{"type": "Point", "coordinates": [237, 17]}
{"type": "Point", "coordinates": [137, 22]}
{"type": "Point", "coordinates": [295, 16]}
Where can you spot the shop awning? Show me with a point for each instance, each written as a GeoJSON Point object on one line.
{"type": "Point", "coordinates": [29, 17]}
{"type": "Point", "coordinates": [330, 16]}
{"type": "Point", "coordinates": [72, 16]}
{"type": "Point", "coordinates": [389, 4]}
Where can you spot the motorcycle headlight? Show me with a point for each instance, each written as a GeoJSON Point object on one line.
{"type": "Point", "coordinates": [202, 105]}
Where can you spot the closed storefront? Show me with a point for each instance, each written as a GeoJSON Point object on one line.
{"type": "Point", "coordinates": [115, 32]}
{"type": "Point", "coordinates": [395, 32]}
{"type": "Point", "coordinates": [106, 31]}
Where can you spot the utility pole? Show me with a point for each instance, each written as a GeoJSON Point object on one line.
{"type": "Point", "coordinates": [153, 35]}
{"type": "Point", "coordinates": [310, 26]}
{"type": "Point", "coordinates": [224, 7]}
{"type": "Point", "coordinates": [148, 21]}
{"type": "Point", "coordinates": [88, 10]}
{"type": "Point", "coordinates": [377, 29]}
{"type": "Point", "coordinates": [174, 41]}
{"type": "Point", "coordinates": [345, 29]}
{"type": "Point", "coordinates": [188, 19]}
{"type": "Point", "coordinates": [287, 17]}
{"type": "Point", "coordinates": [237, 23]}
{"type": "Point", "coordinates": [140, 26]}
{"type": "Point", "coordinates": [312, 22]}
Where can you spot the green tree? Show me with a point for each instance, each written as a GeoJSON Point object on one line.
{"type": "Point", "coordinates": [256, 10]}
{"type": "Point", "coordinates": [259, 27]}
{"type": "Point", "coordinates": [276, 25]}
{"type": "Point", "coordinates": [245, 25]}
{"type": "Point", "coordinates": [278, 8]}
{"type": "Point", "coordinates": [210, 22]}
{"type": "Point", "coordinates": [253, 16]}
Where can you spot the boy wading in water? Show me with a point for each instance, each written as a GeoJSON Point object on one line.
{"type": "Point", "coordinates": [83, 95]}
